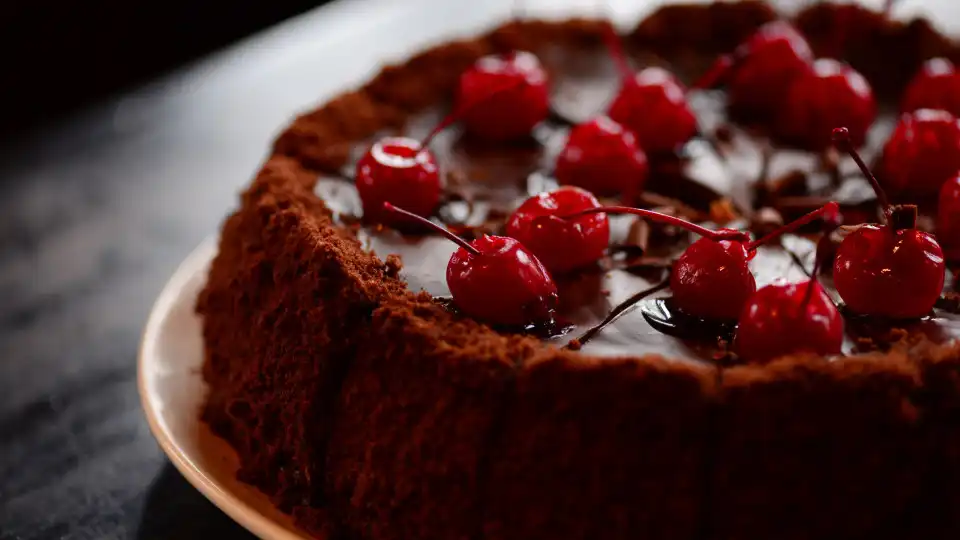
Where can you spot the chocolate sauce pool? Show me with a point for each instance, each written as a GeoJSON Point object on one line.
{"type": "Point", "coordinates": [485, 183]}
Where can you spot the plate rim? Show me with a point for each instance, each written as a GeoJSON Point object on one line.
{"type": "Point", "coordinates": [238, 510]}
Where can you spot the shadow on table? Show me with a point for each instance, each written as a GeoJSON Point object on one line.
{"type": "Point", "coordinates": [175, 509]}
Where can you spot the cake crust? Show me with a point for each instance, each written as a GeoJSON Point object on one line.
{"type": "Point", "coordinates": [373, 413]}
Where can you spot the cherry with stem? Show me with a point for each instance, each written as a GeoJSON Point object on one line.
{"type": "Point", "coordinates": [495, 279]}
{"type": "Point", "coordinates": [789, 318]}
{"type": "Point", "coordinates": [651, 103]}
{"type": "Point", "coordinates": [891, 270]}
{"type": "Point", "coordinates": [712, 279]}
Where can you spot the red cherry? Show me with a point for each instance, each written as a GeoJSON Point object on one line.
{"type": "Point", "coordinates": [652, 104]}
{"type": "Point", "coordinates": [399, 170]}
{"type": "Point", "coordinates": [788, 318]}
{"type": "Point", "coordinates": [495, 279]}
{"type": "Point", "coordinates": [936, 86]}
{"type": "Point", "coordinates": [509, 115]}
{"type": "Point", "coordinates": [712, 279]}
{"type": "Point", "coordinates": [922, 153]}
{"type": "Point", "coordinates": [404, 172]}
{"type": "Point", "coordinates": [603, 157]}
{"type": "Point", "coordinates": [761, 70]}
{"type": "Point", "coordinates": [561, 244]}
{"type": "Point", "coordinates": [891, 270]}
{"type": "Point", "coordinates": [948, 218]}
{"type": "Point", "coordinates": [831, 94]}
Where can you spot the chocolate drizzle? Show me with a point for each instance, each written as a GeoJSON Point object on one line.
{"type": "Point", "coordinates": [663, 315]}
{"type": "Point", "coordinates": [578, 342]}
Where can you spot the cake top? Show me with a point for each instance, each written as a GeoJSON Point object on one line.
{"type": "Point", "coordinates": [535, 140]}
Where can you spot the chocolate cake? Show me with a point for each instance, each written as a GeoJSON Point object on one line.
{"type": "Point", "coordinates": [362, 401]}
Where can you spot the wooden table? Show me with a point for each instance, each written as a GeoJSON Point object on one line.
{"type": "Point", "coordinates": [95, 215]}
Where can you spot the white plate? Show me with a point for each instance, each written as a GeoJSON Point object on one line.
{"type": "Point", "coordinates": [171, 392]}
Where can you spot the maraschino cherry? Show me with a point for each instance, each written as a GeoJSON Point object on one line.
{"type": "Point", "coordinates": [890, 270]}
{"type": "Point", "coordinates": [936, 86]}
{"type": "Point", "coordinates": [948, 218]}
{"type": "Point", "coordinates": [495, 279]}
{"type": "Point", "coordinates": [400, 170]}
{"type": "Point", "coordinates": [789, 318]}
{"type": "Point", "coordinates": [712, 279]}
{"type": "Point", "coordinates": [603, 157]}
{"type": "Point", "coordinates": [651, 103]}
{"type": "Point", "coordinates": [922, 153]}
{"type": "Point", "coordinates": [561, 244]}
{"type": "Point", "coordinates": [404, 171]}
{"type": "Point", "coordinates": [830, 94]}
{"type": "Point", "coordinates": [509, 115]}
{"type": "Point", "coordinates": [759, 72]}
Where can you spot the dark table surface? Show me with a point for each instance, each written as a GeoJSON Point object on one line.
{"type": "Point", "coordinates": [96, 213]}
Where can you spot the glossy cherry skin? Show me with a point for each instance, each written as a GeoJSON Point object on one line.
{"type": "Point", "coordinates": [395, 170]}
{"type": "Point", "coordinates": [653, 106]}
{"type": "Point", "coordinates": [922, 153]}
{"type": "Point", "coordinates": [712, 280]}
{"type": "Point", "coordinates": [561, 244]}
{"type": "Point", "coordinates": [948, 218]}
{"type": "Point", "coordinates": [603, 157]}
{"type": "Point", "coordinates": [776, 321]}
{"type": "Point", "coordinates": [505, 285]}
{"type": "Point", "coordinates": [767, 64]}
{"type": "Point", "coordinates": [830, 94]}
{"type": "Point", "coordinates": [895, 275]}
{"type": "Point", "coordinates": [936, 86]}
{"type": "Point", "coordinates": [512, 113]}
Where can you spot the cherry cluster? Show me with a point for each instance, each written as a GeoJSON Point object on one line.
{"type": "Point", "coordinates": [890, 269]}
{"type": "Point", "coordinates": [773, 80]}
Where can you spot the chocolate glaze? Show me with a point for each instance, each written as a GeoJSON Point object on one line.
{"type": "Point", "coordinates": [485, 183]}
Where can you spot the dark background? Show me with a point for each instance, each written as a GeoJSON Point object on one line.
{"type": "Point", "coordinates": [57, 56]}
{"type": "Point", "coordinates": [94, 217]}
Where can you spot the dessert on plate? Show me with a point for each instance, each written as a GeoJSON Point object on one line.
{"type": "Point", "coordinates": [688, 282]}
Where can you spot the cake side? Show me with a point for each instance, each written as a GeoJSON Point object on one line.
{"type": "Point", "coordinates": [601, 448]}
{"type": "Point", "coordinates": [287, 300]}
{"type": "Point", "coordinates": [937, 516]}
{"type": "Point", "coordinates": [810, 448]}
{"type": "Point", "coordinates": [415, 415]}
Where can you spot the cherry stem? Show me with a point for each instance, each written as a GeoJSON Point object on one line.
{"type": "Point", "coordinates": [830, 210]}
{"type": "Point", "coordinates": [817, 262]}
{"type": "Point", "coordinates": [457, 114]}
{"type": "Point", "coordinates": [615, 46]}
{"type": "Point", "coordinates": [424, 221]}
{"type": "Point", "coordinates": [715, 75]}
{"type": "Point", "coordinates": [664, 218]}
{"type": "Point", "coordinates": [808, 294]}
{"type": "Point", "coordinates": [841, 138]}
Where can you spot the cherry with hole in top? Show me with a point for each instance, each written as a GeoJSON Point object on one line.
{"type": "Point", "coordinates": [890, 270]}
{"type": "Point", "coordinates": [711, 279]}
{"type": "Point", "coordinates": [651, 103]}
{"type": "Point", "coordinates": [404, 171]}
{"type": "Point", "coordinates": [495, 279]}
{"type": "Point", "coordinates": [922, 153]}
